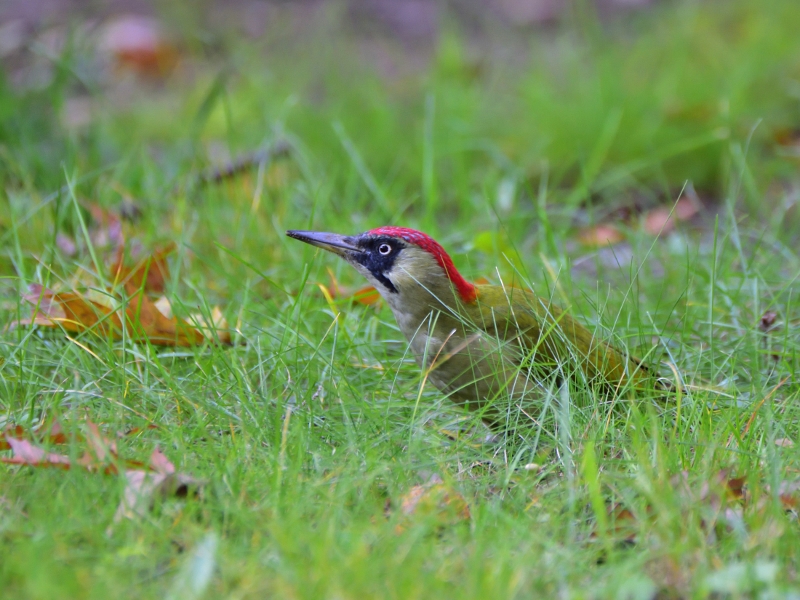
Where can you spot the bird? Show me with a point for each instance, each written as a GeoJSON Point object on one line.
{"type": "Point", "coordinates": [493, 349]}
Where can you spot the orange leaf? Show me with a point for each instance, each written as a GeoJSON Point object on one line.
{"type": "Point", "coordinates": [106, 229]}
{"type": "Point", "coordinates": [144, 321]}
{"type": "Point", "coordinates": [148, 323]}
{"type": "Point", "coordinates": [26, 453]}
{"type": "Point", "coordinates": [663, 219]}
{"type": "Point", "coordinates": [367, 296]}
{"type": "Point", "coordinates": [149, 274]}
{"type": "Point", "coordinates": [434, 500]}
{"type": "Point", "coordinates": [137, 44]}
{"type": "Point", "coordinates": [52, 433]}
{"type": "Point", "coordinates": [600, 235]}
{"type": "Point", "coordinates": [143, 486]}
{"type": "Point", "coordinates": [71, 311]}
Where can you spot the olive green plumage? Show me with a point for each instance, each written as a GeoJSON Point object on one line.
{"type": "Point", "coordinates": [493, 349]}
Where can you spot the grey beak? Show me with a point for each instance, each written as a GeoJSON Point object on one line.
{"type": "Point", "coordinates": [332, 242]}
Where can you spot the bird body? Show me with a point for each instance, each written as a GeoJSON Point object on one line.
{"type": "Point", "coordinates": [490, 348]}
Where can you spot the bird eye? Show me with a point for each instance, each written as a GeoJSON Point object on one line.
{"type": "Point", "coordinates": [384, 249]}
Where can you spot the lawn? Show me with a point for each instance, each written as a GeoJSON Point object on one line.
{"type": "Point", "coordinates": [324, 464]}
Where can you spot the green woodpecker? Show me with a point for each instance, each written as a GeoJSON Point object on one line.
{"type": "Point", "coordinates": [490, 348]}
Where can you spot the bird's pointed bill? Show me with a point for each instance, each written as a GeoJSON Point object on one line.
{"type": "Point", "coordinates": [332, 242]}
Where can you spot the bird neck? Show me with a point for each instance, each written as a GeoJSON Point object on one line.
{"type": "Point", "coordinates": [436, 304]}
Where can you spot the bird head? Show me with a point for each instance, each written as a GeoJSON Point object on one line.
{"type": "Point", "coordinates": [410, 269]}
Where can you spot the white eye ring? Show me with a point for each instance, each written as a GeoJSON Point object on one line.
{"type": "Point", "coordinates": [384, 249]}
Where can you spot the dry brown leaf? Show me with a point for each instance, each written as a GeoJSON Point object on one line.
{"type": "Point", "coordinates": [787, 136]}
{"type": "Point", "coordinates": [25, 453]}
{"type": "Point", "coordinates": [600, 235]}
{"type": "Point", "coordinates": [51, 433]}
{"type": "Point", "coordinates": [434, 500]}
{"type": "Point", "coordinates": [66, 244]}
{"type": "Point", "coordinates": [148, 323]}
{"type": "Point", "coordinates": [99, 454]}
{"type": "Point", "coordinates": [150, 274]}
{"type": "Point", "coordinates": [76, 314]}
{"type": "Point", "coordinates": [366, 295]}
{"type": "Point", "coordinates": [623, 523]}
{"type": "Point", "coordinates": [144, 319]}
{"type": "Point", "coordinates": [106, 228]}
{"type": "Point", "coordinates": [137, 44]}
{"type": "Point", "coordinates": [214, 327]}
{"type": "Point", "coordinates": [143, 486]}
{"type": "Point", "coordinates": [157, 478]}
{"type": "Point", "coordinates": [767, 321]}
{"type": "Point", "coordinates": [663, 219]}
{"type": "Point", "coordinates": [71, 311]}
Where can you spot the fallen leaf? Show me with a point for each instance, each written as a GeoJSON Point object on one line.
{"type": "Point", "coordinates": [51, 433]}
{"type": "Point", "coordinates": [76, 314]}
{"type": "Point", "coordinates": [663, 219]}
{"type": "Point", "coordinates": [214, 327]}
{"type": "Point", "coordinates": [433, 500]}
{"type": "Point", "coordinates": [150, 274]}
{"type": "Point", "coordinates": [367, 295]}
{"type": "Point", "coordinates": [106, 228]}
{"type": "Point", "coordinates": [787, 136]}
{"type": "Point", "coordinates": [157, 478]}
{"type": "Point", "coordinates": [100, 453]}
{"type": "Point", "coordinates": [600, 235]}
{"type": "Point", "coordinates": [133, 314]}
{"type": "Point", "coordinates": [144, 486]}
{"type": "Point", "coordinates": [66, 244]}
{"type": "Point", "coordinates": [25, 453]}
{"type": "Point", "coordinates": [71, 311]}
{"type": "Point", "coordinates": [138, 44]}
{"type": "Point", "coordinates": [149, 324]}
{"type": "Point", "coordinates": [767, 320]}
{"type": "Point", "coordinates": [789, 494]}
{"type": "Point", "coordinates": [623, 522]}
{"type": "Point", "coordinates": [143, 319]}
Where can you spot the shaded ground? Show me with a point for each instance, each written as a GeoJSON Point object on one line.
{"type": "Point", "coordinates": [404, 18]}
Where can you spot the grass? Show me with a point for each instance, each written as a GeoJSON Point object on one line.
{"type": "Point", "coordinates": [308, 430]}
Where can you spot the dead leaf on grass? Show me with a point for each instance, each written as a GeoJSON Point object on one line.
{"type": "Point", "coordinates": [137, 44]}
{"type": "Point", "coordinates": [145, 482]}
{"type": "Point", "coordinates": [600, 235]}
{"type": "Point", "coordinates": [767, 321]}
{"type": "Point", "coordinates": [367, 295]}
{"type": "Point", "coordinates": [434, 500]}
{"type": "Point", "coordinates": [69, 310]}
{"type": "Point", "coordinates": [150, 274]}
{"type": "Point", "coordinates": [144, 486]}
{"type": "Point", "coordinates": [718, 500]}
{"type": "Point", "coordinates": [106, 228]}
{"type": "Point", "coordinates": [144, 319]}
{"type": "Point", "coordinates": [25, 453]}
{"type": "Point", "coordinates": [52, 434]}
{"type": "Point", "coordinates": [663, 218]}
{"type": "Point", "coordinates": [66, 244]}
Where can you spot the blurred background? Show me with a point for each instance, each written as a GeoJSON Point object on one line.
{"type": "Point", "coordinates": [592, 112]}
